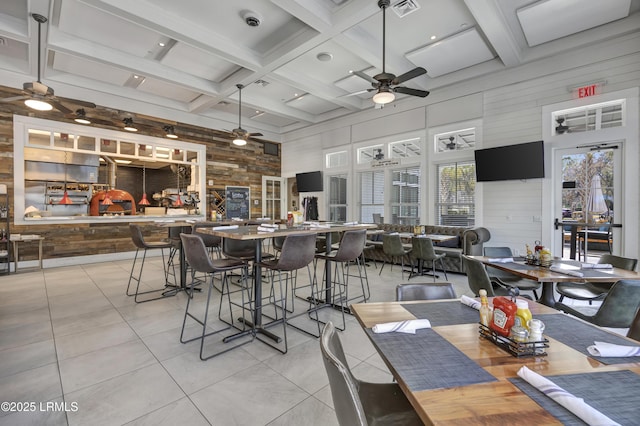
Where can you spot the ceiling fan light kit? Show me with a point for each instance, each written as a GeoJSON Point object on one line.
{"type": "Point", "coordinates": [384, 96]}
{"type": "Point", "coordinates": [128, 125]}
{"type": "Point", "coordinates": [240, 136]}
{"type": "Point", "coordinates": [38, 104]}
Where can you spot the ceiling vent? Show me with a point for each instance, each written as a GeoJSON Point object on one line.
{"type": "Point", "coordinates": [405, 7]}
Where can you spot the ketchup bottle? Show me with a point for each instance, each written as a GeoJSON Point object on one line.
{"type": "Point", "coordinates": [504, 315]}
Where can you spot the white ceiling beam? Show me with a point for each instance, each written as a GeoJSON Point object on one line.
{"type": "Point", "coordinates": [311, 12]}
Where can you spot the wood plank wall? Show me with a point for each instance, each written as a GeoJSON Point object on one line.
{"type": "Point", "coordinates": [226, 165]}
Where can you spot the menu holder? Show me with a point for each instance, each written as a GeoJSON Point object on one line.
{"type": "Point", "coordinates": [517, 349]}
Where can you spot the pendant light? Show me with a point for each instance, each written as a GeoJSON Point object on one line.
{"type": "Point", "coordinates": [178, 202]}
{"type": "Point", "coordinates": [144, 201]}
{"type": "Point", "coordinates": [65, 196]}
{"type": "Point", "coordinates": [106, 201]}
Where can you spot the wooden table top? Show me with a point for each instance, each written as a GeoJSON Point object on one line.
{"type": "Point", "coordinates": [541, 274]}
{"type": "Point", "coordinates": [252, 232]}
{"type": "Point", "coordinates": [498, 402]}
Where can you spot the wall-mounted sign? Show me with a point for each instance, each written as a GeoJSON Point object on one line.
{"type": "Point", "coordinates": [385, 163]}
{"type": "Point", "coordinates": [588, 90]}
{"type": "Point", "coordinates": [237, 202]}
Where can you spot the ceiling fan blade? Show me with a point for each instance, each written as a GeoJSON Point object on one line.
{"type": "Point", "coordinates": [77, 102]}
{"type": "Point", "coordinates": [412, 92]}
{"type": "Point", "coordinates": [15, 98]}
{"type": "Point", "coordinates": [409, 75]}
{"type": "Point", "coordinates": [365, 76]}
{"type": "Point", "coordinates": [57, 105]}
{"type": "Point", "coordinates": [255, 134]}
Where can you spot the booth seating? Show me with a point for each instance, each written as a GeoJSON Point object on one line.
{"type": "Point", "coordinates": [469, 241]}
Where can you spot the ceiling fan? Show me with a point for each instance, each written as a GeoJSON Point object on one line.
{"type": "Point", "coordinates": [561, 127]}
{"type": "Point", "coordinates": [386, 83]}
{"type": "Point", "coordinates": [240, 136]}
{"type": "Point", "coordinates": [38, 95]}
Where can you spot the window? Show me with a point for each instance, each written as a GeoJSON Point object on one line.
{"type": "Point", "coordinates": [405, 196]}
{"type": "Point", "coordinates": [405, 149]}
{"type": "Point", "coordinates": [455, 204]}
{"type": "Point", "coordinates": [589, 118]}
{"type": "Point", "coordinates": [457, 140]}
{"type": "Point", "coordinates": [370, 153]}
{"type": "Point", "coordinates": [338, 198]}
{"type": "Point", "coordinates": [371, 195]}
{"type": "Point", "coordinates": [337, 159]}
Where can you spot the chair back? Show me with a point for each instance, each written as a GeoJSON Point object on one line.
{"type": "Point", "coordinates": [196, 253]}
{"type": "Point", "coordinates": [619, 261]}
{"type": "Point", "coordinates": [377, 218]}
{"type": "Point", "coordinates": [392, 245]}
{"type": "Point", "coordinates": [136, 236]}
{"type": "Point", "coordinates": [344, 387]}
{"type": "Point", "coordinates": [243, 249]}
{"type": "Point", "coordinates": [424, 291]}
{"type": "Point", "coordinates": [208, 239]}
{"type": "Point", "coordinates": [634, 330]}
{"type": "Point", "coordinates": [620, 305]}
{"type": "Point", "coordinates": [498, 252]}
{"type": "Point", "coordinates": [278, 242]}
{"type": "Point", "coordinates": [351, 245]}
{"type": "Point", "coordinates": [298, 250]}
{"type": "Point", "coordinates": [425, 248]}
{"type": "Point", "coordinates": [477, 276]}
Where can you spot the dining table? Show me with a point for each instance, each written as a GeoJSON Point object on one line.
{"type": "Point", "coordinates": [452, 375]}
{"type": "Point", "coordinates": [563, 271]}
{"type": "Point", "coordinates": [258, 234]}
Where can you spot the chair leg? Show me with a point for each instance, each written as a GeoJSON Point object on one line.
{"type": "Point", "coordinates": [138, 279]}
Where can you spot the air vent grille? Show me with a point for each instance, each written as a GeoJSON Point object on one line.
{"type": "Point", "coordinates": [405, 7]}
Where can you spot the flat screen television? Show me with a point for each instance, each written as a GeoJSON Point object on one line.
{"type": "Point", "coordinates": [309, 182]}
{"type": "Point", "coordinates": [511, 162]}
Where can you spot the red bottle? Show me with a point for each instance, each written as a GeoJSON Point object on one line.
{"type": "Point", "coordinates": [504, 315]}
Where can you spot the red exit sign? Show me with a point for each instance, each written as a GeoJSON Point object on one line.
{"type": "Point", "coordinates": [589, 90]}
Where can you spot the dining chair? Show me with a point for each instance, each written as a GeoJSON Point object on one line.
{"type": "Point", "coordinates": [144, 246]}
{"type": "Point", "coordinates": [595, 291]}
{"type": "Point", "coordinates": [197, 255]}
{"type": "Point", "coordinates": [478, 279]}
{"type": "Point", "coordinates": [394, 250]}
{"type": "Point", "coordinates": [213, 243]}
{"type": "Point", "coordinates": [425, 291]}
{"type": "Point", "coordinates": [298, 251]}
{"type": "Point", "coordinates": [507, 279]}
{"type": "Point", "coordinates": [360, 403]}
{"type": "Point", "coordinates": [618, 307]}
{"type": "Point", "coordinates": [634, 330]}
{"type": "Point", "coordinates": [422, 251]}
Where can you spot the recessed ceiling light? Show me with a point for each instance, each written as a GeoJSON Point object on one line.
{"type": "Point", "coordinates": [136, 76]}
{"type": "Point", "coordinates": [161, 44]}
{"type": "Point", "coordinates": [324, 56]}
{"type": "Point", "coordinates": [433, 37]}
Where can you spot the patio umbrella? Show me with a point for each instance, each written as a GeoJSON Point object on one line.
{"type": "Point", "coordinates": [595, 200]}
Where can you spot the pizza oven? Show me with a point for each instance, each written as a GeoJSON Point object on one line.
{"type": "Point", "coordinates": [122, 203]}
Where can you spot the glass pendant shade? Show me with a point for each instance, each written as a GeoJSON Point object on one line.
{"type": "Point", "coordinates": [239, 142]}
{"type": "Point", "coordinates": [65, 198]}
{"type": "Point", "coordinates": [106, 201]}
{"type": "Point", "coordinates": [178, 202]}
{"type": "Point", "coordinates": [144, 201]}
{"type": "Point", "coordinates": [38, 105]}
{"type": "Point", "coordinates": [383, 97]}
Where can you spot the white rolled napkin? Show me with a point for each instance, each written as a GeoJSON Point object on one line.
{"type": "Point", "coordinates": [576, 405]}
{"type": "Point", "coordinates": [596, 266]}
{"type": "Point", "coordinates": [225, 227]}
{"type": "Point", "coordinates": [610, 350]}
{"type": "Point", "coordinates": [408, 326]}
{"type": "Point", "coordinates": [350, 223]}
{"type": "Point", "coordinates": [470, 301]}
{"type": "Point", "coordinates": [501, 260]}
{"type": "Point", "coordinates": [265, 229]}
{"type": "Point", "coordinates": [565, 271]}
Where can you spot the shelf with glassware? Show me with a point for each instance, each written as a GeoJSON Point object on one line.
{"type": "Point", "coordinates": [5, 253]}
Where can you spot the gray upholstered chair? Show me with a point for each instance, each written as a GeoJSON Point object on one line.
{"type": "Point", "coordinates": [424, 291]}
{"type": "Point", "coordinates": [211, 242]}
{"type": "Point", "coordinates": [143, 245]}
{"type": "Point", "coordinates": [507, 279]}
{"type": "Point", "coordinates": [479, 279]}
{"type": "Point", "coordinates": [422, 251]}
{"type": "Point", "coordinates": [359, 403]}
{"type": "Point", "coordinates": [393, 248]}
{"type": "Point", "coordinates": [595, 291]}
{"type": "Point", "coordinates": [634, 330]}
{"type": "Point", "coordinates": [298, 251]}
{"type": "Point", "coordinates": [617, 310]}
{"type": "Point", "coordinates": [197, 255]}
{"type": "Point", "coordinates": [473, 241]}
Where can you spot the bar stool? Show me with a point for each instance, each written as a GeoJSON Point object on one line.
{"type": "Point", "coordinates": [298, 251]}
{"type": "Point", "coordinates": [211, 242]}
{"type": "Point", "coordinates": [350, 251]}
{"type": "Point", "coordinates": [197, 256]}
{"type": "Point", "coordinates": [141, 244]}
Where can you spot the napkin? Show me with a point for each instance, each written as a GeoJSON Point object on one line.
{"type": "Point", "coordinates": [225, 227]}
{"type": "Point", "coordinates": [265, 229]}
{"type": "Point", "coordinates": [610, 350]}
{"type": "Point", "coordinates": [270, 225]}
{"type": "Point", "coordinates": [469, 301]}
{"type": "Point", "coordinates": [576, 405]}
{"type": "Point", "coordinates": [350, 223]}
{"type": "Point", "coordinates": [409, 326]}
{"type": "Point", "coordinates": [572, 272]}
{"type": "Point", "coordinates": [596, 266]}
{"type": "Point", "coordinates": [501, 260]}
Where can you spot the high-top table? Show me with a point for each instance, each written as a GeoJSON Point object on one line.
{"type": "Point", "coordinates": [252, 233]}
{"type": "Point", "coordinates": [453, 376]}
{"type": "Point", "coordinates": [548, 277]}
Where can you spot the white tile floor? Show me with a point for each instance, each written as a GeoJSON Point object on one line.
{"type": "Point", "coordinates": [71, 336]}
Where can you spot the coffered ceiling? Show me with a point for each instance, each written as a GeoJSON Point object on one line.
{"type": "Point", "coordinates": [163, 57]}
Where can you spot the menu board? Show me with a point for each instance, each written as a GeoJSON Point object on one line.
{"type": "Point", "coordinates": [237, 202]}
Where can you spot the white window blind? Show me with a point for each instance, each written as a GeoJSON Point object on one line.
{"type": "Point", "coordinates": [405, 196]}
{"type": "Point", "coordinates": [456, 194]}
{"type": "Point", "coordinates": [338, 198]}
{"type": "Point", "coordinates": [371, 195]}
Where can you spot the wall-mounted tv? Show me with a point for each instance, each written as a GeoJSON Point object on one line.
{"type": "Point", "coordinates": [309, 182]}
{"type": "Point", "coordinates": [511, 162]}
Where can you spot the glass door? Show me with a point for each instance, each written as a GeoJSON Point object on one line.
{"type": "Point", "coordinates": [273, 197]}
{"type": "Point", "coordinates": [586, 202]}
{"type": "Point", "coordinates": [338, 198]}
